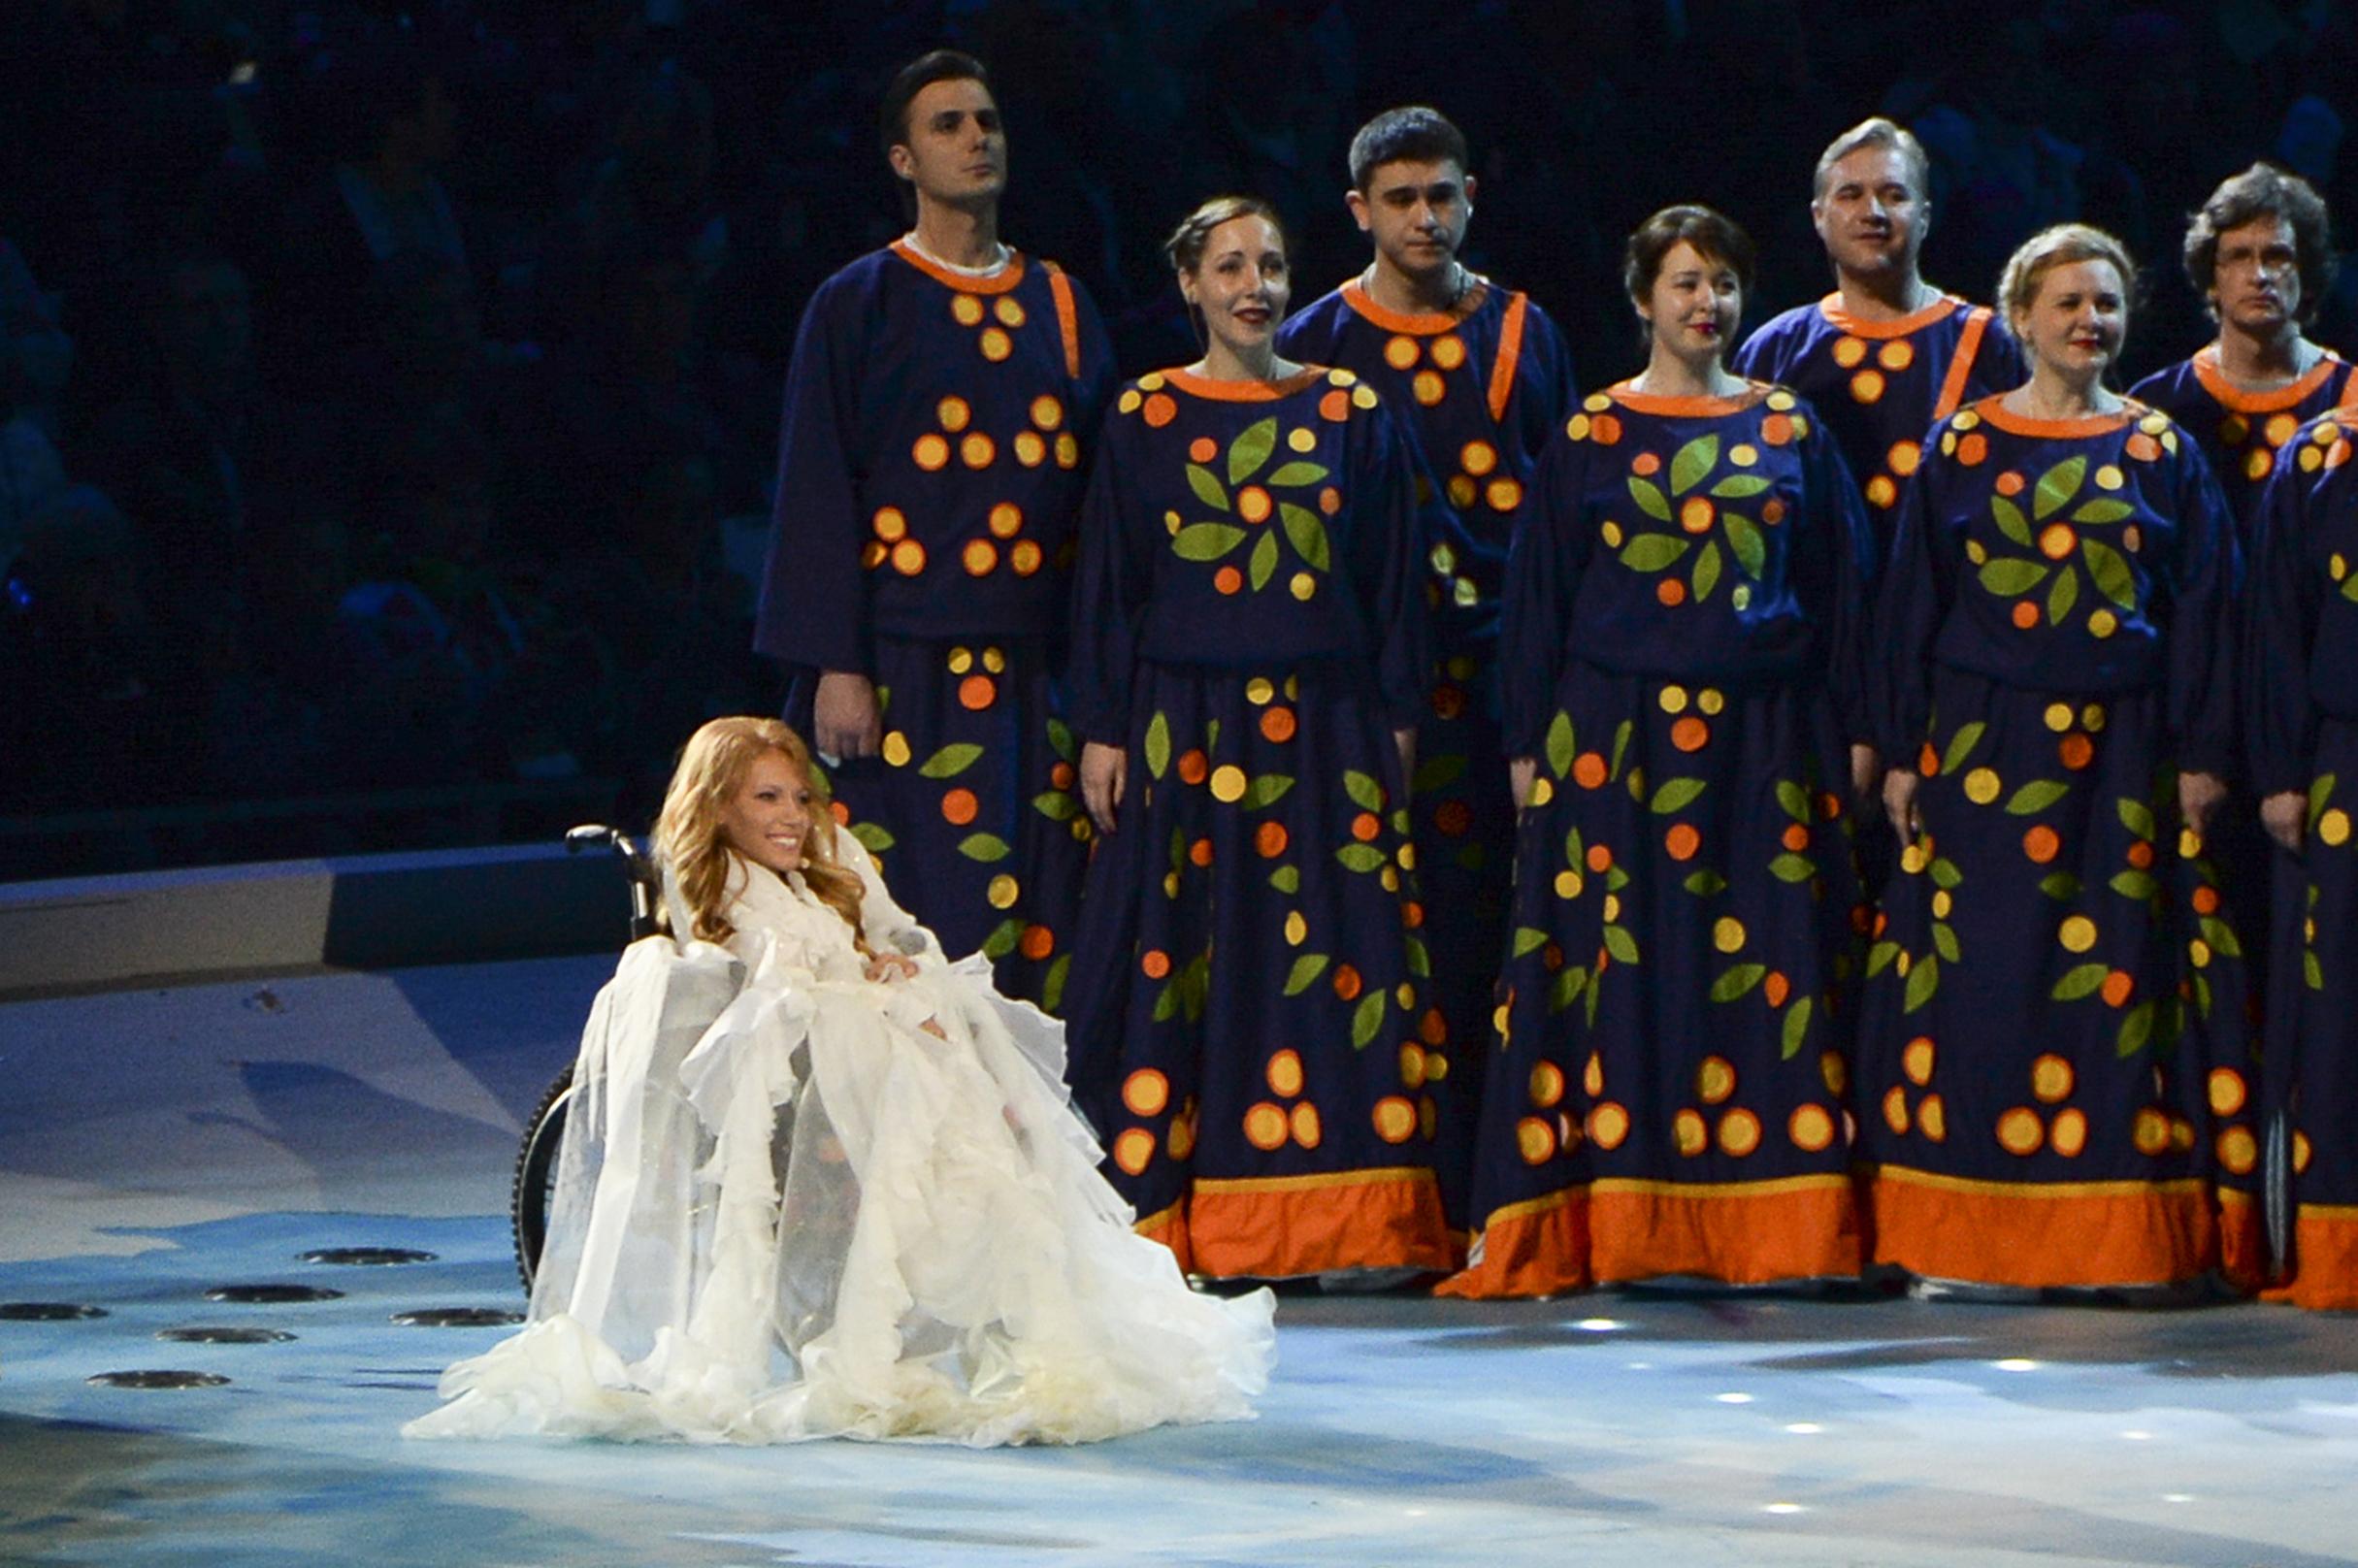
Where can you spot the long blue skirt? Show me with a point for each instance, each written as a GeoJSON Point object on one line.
{"type": "Point", "coordinates": [2034, 1038]}
{"type": "Point", "coordinates": [1669, 1096]}
{"type": "Point", "coordinates": [972, 808]}
{"type": "Point", "coordinates": [2312, 1043]}
{"type": "Point", "coordinates": [1248, 1003]}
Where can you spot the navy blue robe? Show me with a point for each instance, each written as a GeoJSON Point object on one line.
{"type": "Point", "coordinates": [2301, 701]}
{"type": "Point", "coordinates": [1249, 1009]}
{"type": "Point", "coordinates": [1682, 660]}
{"type": "Point", "coordinates": [2055, 643]}
{"type": "Point", "coordinates": [1477, 391]}
{"type": "Point", "coordinates": [930, 469]}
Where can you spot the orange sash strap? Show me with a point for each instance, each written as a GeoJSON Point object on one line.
{"type": "Point", "coordinates": [1068, 318]}
{"type": "Point", "coordinates": [1969, 343]}
{"type": "Point", "coordinates": [2349, 394]}
{"type": "Point", "coordinates": [1510, 352]}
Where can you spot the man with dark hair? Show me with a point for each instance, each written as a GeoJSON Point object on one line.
{"type": "Point", "coordinates": [2261, 255]}
{"type": "Point", "coordinates": [1886, 354]}
{"type": "Point", "coordinates": [1480, 376]}
{"type": "Point", "coordinates": [2260, 251]}
{"type": "Point", "coordinates": [930, 472]}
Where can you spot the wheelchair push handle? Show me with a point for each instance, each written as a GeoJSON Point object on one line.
{"type": "Point", "coordinates": [644, 884]}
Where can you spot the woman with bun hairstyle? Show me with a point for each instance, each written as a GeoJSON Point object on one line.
{"type": "Point", "coordinates": [1250, 1005]}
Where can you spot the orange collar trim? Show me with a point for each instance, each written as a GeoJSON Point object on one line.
{"type": "Point", "coordinates": [1621, 393]}
{"type": "Point", "coordinates": [999, 283]}
{"type": "Point", "coordinates": [1218, 391]}
{"type": "Point", "coordinates": [2237, 400]}
{"type": "Point", "coordinates": [1422, 324]}
{"type": "Point", "coordinates": [1897, 327]}
{"type": "Point", "coordinates": [1993, 409]}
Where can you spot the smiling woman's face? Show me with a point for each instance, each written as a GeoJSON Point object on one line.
{"type": "Point", "coordinates": [2077, 320]}
{"type": "Point", "coordinates": [768, 819]}
{"type": "Point", "coordinates": [1693, 305]}
{"type": "Point", "coordinates": [1242, 283]}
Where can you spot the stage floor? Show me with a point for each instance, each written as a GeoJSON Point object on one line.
{"type": "Point", "coordinates": [156, 1144]}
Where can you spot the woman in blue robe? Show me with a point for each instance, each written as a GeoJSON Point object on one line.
{"type": "Point", "coordinates": [2054, 639]}
{"type": "Point", "coordinates": [2302, 728]}
{"type": "Point", "coordinates": [1684, 706]}
{"type": "Point", "coordinates": [1249, 654]}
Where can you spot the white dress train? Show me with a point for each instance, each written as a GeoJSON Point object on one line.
{"type": "Point", "coordinates": [785, 1210]}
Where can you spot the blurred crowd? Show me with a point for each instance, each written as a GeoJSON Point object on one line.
{"type": "Point", "coordinates": [392, 387]}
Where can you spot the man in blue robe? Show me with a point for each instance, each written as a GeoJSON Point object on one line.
{"type": "Point", "coordinates": [1478, 377]}
{"type": "Point", "coordinates": [930, 474]}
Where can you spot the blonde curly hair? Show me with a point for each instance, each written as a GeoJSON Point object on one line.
{"type": "Point", "coordinates": [688, 839]}
{"type": "Point", "coordinates": [2058, 246]}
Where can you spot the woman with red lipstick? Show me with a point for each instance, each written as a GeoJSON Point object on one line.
{"type": "Point", "coordinates": [2055, 685]}
{"type": "Point", "coordinates": [1248, 1005]}
{"type": "Point", "coordinates": [1685, 709]}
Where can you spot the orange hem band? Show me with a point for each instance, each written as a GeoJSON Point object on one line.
{"type": "Point", "coordinates": [1745, 1233]}
{"type": "Point", "coordinates": [1538, 1248]}
{"type": "Point", "coordinates": [2030, 1234]}
{"type": "Point", "coordinates": [2243, 1240]}
{"type": "Point", "coordinates": [1282, 1228]}
{"type": "Point", "coordinates": [2325, 1261]}
{"type": "Point", "coordinates": [1742, 1232]}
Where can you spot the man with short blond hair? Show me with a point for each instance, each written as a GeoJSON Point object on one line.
{"type": "Point", "coordinates": [1886, 354]}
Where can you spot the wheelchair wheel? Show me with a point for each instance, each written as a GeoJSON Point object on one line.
{"type": "Point", "coordinates": [536, 1178]}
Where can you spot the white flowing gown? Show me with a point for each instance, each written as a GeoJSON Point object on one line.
{"type": "Point", "coordinates": [785, 1209]}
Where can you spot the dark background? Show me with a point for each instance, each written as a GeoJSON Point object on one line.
{"type": "Point", "coordinates": [311, 549]}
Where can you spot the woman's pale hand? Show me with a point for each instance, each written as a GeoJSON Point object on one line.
{"type": "Point", "coordinates": [1899, 803]}
{"type": "Point", "coordinates": [887, 967]}
{"type": "Point", "coordinates": [1522, 772]}
{"type": "Point", "coordinates": [1104, 772]}
{"type": "Point", "coordinates": [2286, 816]}
{"type": "Point", "coordinates": [1866, 767]}
{"type": "Point", "coordinates": [2199, 795]}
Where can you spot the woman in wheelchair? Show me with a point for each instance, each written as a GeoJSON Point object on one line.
{"type": "Point", "coordinates": [819, 1180]}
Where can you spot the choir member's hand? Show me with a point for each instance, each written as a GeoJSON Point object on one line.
{"type": "Point", "coordinates": [1521, 774]}
{"type": "Point", "coordinates": [1899, 803]}
{"type": "Point", "coordinates": [884, 966]}
{"type": "Point", "coordinates": [1406, 741]}
{"type": "Point", "coordinates": [933, 1026]}
{"type": "Point", "coordinates": [2286, 816]}
{"type": "Point", "coordinates": [1866, 767]}
{"type": "Point", "coordinates": [1104, 771]}
{"type": "Point", "coordinates": [2199, 795]}
{"type": "Point", "coordinates": [845, 719]}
